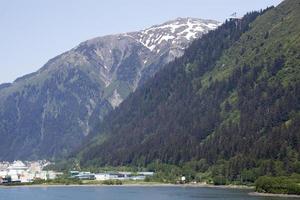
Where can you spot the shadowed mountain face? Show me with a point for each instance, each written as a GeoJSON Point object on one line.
{"type": "Point", "coordinates": [48, 113]}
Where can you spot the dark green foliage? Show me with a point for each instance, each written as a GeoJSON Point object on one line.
{"type": "Point", "coordinates": [278, 185]}
{"type": "Point", "coordinates": [219, 180]}
{"type": "Point", "coordinates": [232, 100]}
{"type": "Point", "coordinates": [165, 173]}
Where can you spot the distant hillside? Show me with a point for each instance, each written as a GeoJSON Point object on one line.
{"type": "Point", "coordinates": [48, 113]}
{"type": "Point", "coordinates": [231, 101]}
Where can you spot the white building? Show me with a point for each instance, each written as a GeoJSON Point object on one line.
{"type": "Point", "coordinates": [3, 173]}
{"type": "Point", "coordinates": [102, 177]}
{"type": "Point", "coordinates": [122, 176]}
{"type": "Point", "coordinates": [17, 170]}
{"type": "Point", "coordinates": [146, 173]}
{"type": "Point", "coordinates": [18, 167]}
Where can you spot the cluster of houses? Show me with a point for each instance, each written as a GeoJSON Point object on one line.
{"type": "Point", "coordinates": [110, 175]}
{"type": "Point", "coordinates": [25, 172]}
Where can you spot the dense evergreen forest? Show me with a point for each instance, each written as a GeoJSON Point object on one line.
{"type": "Point", "coordinates": [230, 105]}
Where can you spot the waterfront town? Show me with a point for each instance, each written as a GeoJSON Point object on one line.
{"type": "Point", "coordinates": [25, 172]}
{"type": "Point", "coordinates": [29, 171]}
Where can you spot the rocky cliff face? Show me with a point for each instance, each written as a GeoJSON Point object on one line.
{"type": "Point", "coordinates": [125, 61]}
{"type": "Point", "coordinates": [47, 113]}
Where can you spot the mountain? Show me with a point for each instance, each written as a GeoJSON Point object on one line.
{"type": "Point", "coordinates": [48, 113]}
{"type": "Point", "coordinates": [231, 104]}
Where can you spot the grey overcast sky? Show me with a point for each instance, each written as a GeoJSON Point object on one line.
{"type": "Point", "coordinates": [34, 31]}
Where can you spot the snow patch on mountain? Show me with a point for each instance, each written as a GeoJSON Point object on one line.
{"type": "Point", "coordinates": [188, 28]}
{"type": "Point", "coordinates": [115, 99]}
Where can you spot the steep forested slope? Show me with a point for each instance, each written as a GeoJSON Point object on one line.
{"type": "Point", "coordinates": [231, 101]}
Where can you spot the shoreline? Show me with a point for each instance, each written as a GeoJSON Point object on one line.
{"type": "Point", "coordinates": [273, 195]}
{"type": "Point", "coordinates": [199, 185]}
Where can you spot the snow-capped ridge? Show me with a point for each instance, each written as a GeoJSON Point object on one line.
{"type": "Point", "coordinates": [174, 31]}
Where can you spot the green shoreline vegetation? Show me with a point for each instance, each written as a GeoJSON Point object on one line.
{"type": "Point", "coordinates": [267, 177]}
{"type": "Point", "coordinates": [279, 185]}
{"type": "Point", "coordinates": [171, 175]}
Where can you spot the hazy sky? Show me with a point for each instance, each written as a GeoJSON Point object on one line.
{"type": "Point", "coordinates": [33, 31]}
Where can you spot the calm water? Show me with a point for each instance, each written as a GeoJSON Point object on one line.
{"type": "Point", "coordinates": [126, 193]}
